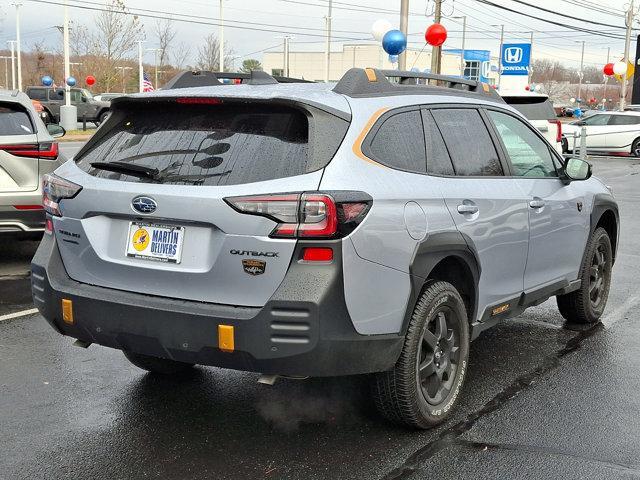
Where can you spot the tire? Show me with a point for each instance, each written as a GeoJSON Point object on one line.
{"type": "Point", "coordinates": [103, 117]}
{"type": "Point", "coordinates": [635, 148]}
{"type": "Point", "coordinates": [402, 395]}
{"type": "Point", "coordinates": [586, 305]}
{"type": "Point", "coordinates": [162, 366]}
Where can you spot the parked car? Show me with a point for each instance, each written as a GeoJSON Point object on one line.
{"type": "Point", "coordinates": [52, 98]}
{"type": "Point", "coordinates": [107, 97]}
{"type": "Point", "coordinates": [538, 109]}
{"type": "Point", "coordinates": [317, 230]}
{"type": "Point", "coordinates": [28, 151]}
{"type": "Point", "coordinates": [607, 132]}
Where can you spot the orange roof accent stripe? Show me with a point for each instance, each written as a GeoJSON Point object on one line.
{"type": "Point", "coordinates": [357, 146]}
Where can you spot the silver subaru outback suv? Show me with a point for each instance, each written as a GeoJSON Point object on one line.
{"type": "Point", "coordinates": [373, 226]}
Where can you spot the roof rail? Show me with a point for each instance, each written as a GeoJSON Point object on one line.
{"type": "Point", "coordinates": [208, 79]}
{"type": "Point", "coordinates": [359, 82]}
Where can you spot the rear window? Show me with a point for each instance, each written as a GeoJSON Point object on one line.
{"type": "Point", "coordinates": [37, 94]}
{"type": "Point", "coordinates": [14, 120]}
{"type": "Point", "coordinates": [533, 108]}
{"type": "Point", "coordinates": [225, 144]}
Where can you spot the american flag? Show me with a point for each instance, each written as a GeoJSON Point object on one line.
{"type": "Point", "coordinates": [147, 86]}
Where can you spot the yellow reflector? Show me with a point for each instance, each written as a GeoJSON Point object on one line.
{"type": "Point", "coordinates": [67, 311]}
{"type": "Point", "coordinates": [500, 309]}
{"type": "Point", "coordinates": [225, 338]}
{"type": "Point", "coordinates": [371, 74]}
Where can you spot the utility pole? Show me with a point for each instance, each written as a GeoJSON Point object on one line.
{"type": "Point", "coordinates": [500, 55]}
{"type": "Point", "coordinates": [6, 71]}
{"type": "Point", "coordinates": [220, 40]}
{"type": "Point", "coordinates": [404, 27]}
{"type": "Point", "coordinates": [530, 60]}
{"type": "Point", "coordinates": [12, 44]}
{"type": "Point", "coordinates": [327, 48]}
{"type": "Point", "coordinates": [286, 55]}
{"type": "Point", "coordinates": [581, 74]}
{"type": "Point", "coordinates": [18, 45]}
{"type": "Point", "coordinates": [630, 17]}
{"type": "Point", "coordinates": [140, 68]}
{"type": "Point", "coordinates": [436, 60]}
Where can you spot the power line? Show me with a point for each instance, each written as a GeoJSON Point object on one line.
{"type": "Point", "coordinates": [569, 16]}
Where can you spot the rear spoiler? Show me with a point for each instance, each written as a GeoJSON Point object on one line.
{"type": "Point", "coordinates": [209, 79]}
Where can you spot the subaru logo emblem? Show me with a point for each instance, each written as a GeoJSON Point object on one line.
{"type": "Point", "coordinates": [513, 55]}
{"type": "Point", "coordinates": [144, 205]}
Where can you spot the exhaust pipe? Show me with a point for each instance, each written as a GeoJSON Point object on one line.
{"type": "Point", "coordinates": [81, 344]}
{"type": "Point", "coordinates": [271, 379]}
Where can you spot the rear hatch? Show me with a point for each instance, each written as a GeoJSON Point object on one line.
{"type": "Point", "coordinates": [539, 110]}
{"type": "Point", "coordinates": [158, 220]}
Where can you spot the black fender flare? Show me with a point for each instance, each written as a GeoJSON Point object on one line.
{"type": "Point", "coordinates": [603, 202]}
{"type": "Point", "coordinates": [428, 254]}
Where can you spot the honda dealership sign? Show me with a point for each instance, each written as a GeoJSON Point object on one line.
{"type": "Point", "coordinates": [515, 58]}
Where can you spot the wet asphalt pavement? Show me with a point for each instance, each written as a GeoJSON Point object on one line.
{"type": "Point", "coordinates": [540, 401]}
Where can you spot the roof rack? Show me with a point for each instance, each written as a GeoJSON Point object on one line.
{"type": "Point", "coordinates": [208, 79]}
{"type": "Point", "coordinates": [366, 82]}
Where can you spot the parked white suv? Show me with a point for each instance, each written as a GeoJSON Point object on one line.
{"type": "Point", "coordinates": [607, 132]}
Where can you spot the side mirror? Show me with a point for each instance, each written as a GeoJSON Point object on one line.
{"type": "Point", "coordinates": [576, 170]}
{"type": "Point", "coordinates": [56, 131]}
{"type": "Point", "coordinates": [84, 99]}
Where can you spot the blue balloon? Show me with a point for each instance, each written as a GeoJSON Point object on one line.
{"type": "Point", "coordinates": [47, 81]}
{"type": "Point", "coordinates": [393, 58]}
{"type": "Point", "coordinates": [577, 113]}
{"type": "Point", "coordinates": [394, 42]}
{"type": "Point", "coordinates": [71, 81]}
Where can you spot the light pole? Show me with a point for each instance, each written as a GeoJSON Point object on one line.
{"type": "Point", "coordinates": [220, 40]}
{"type": "Point", "coordinates": [404, 27]}
{"type": "Point", "coordinates": [581, 74]}
{"type": "Point", "coordinates": [12, 44]}
{"type": "Point", "coordinates": [18, 45]}
{"type": "Point", "coordinates": [464, 35]}
{"type": "Point", "coordinates": [68, 112]}
{"type": "Point", "coordinates": [436, 60]}
{"type": "Point", "coordinates": [155, 60]}
{"type": "Point", "coordinates": [327, 49]}
{"type": "Point", "coordinates": [500, 53]}
{"type": "Point", "coordinates": [629, 18]}
{"type": "Point", "coordinates": [122, 74]}
{"type": "Point", "coordinates": [6, 71]}
{"type": "Point", "coordinates": [140, 68]}
{"type": "Point", "coordinates": [530, 59]}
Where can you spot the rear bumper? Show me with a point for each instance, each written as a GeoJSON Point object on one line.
{"type": "Point", "coordinates": [304, 329]}
{"type": "Point", "coordinates": [14, 221]}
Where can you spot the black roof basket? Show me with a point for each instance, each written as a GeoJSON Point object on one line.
{"type": "Point", "coordinates": [208, 79]}
{"type": "Point", "coordinates": [366, 82]}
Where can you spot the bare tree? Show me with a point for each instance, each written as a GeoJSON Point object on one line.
{"type": "Point", "coordinates": [109, 43]}
{"type": "Point", "coordinates": [209, 55]}
{"type": "Point", "coordinates": [166, 34]}
{"type": "Point", "coordinates": [181, 55]}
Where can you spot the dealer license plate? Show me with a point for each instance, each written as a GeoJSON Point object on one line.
{"type": "Point", "coordinates": [156, 242]}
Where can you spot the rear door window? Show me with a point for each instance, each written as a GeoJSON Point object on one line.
{"type": "Point", "coordinates": [468, 141]}
{"type": "Point", "coordinates": [399, 142]}
{"type": "Point", "coordinates": [533, 108]}
{"type": "Point", "coordinates": [14, 120]}
{"type": "Point", "coordinates": [624, 120]}
{"type": "Point", "coordinates": [226, 144]}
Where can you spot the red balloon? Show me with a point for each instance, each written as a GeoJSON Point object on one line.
{"type": "Point", "coordinates": [90, 80]}
{"type": "Point", "coordinates": [608, 69]}
{"type": "Point", "coordinates": [527, 88]}
{"type": "Point", "coordinates": [436, 35]}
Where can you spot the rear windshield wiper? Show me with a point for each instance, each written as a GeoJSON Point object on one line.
{"type": "Point", "coordinates": [128, 169]}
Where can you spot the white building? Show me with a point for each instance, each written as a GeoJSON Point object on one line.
{"type": "Point", "coordinates": [310, 65]}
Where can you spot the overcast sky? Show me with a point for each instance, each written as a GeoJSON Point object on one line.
{"type": "Point", "coordinates": [305, 18]}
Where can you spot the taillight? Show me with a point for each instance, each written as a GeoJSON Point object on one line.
{"type": "Point", "coordinates": [55, 189]}
{"type": "Point", "coordinates": [558, 124]}
{"type": "Point", "coordinates": [307, 215]}
{"type": "Point", "coordinates": [37, 150]}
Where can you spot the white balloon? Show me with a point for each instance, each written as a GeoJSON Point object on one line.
{"type": "Point", "coordinates": [604, 100]}
{"type": "Point", "coordinates": [380, 28]}
{"type": "Point", "coordinates": [538, 88]}
{"type": "Point", "coordinates": [572, 100]}
{"type": "Point", "coordinates": [619, 68]}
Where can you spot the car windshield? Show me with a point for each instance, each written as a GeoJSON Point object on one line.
{"type": "Point", "coordinates": [532, 107]}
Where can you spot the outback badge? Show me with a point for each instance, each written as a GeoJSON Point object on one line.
{"type": "Point", "coordinates": [254, 267]}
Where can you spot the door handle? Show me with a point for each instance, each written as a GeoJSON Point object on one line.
{"type": "Point", "coordinates": [465, 208]}
{"type": "Point", "coordinates": [537, 203]}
